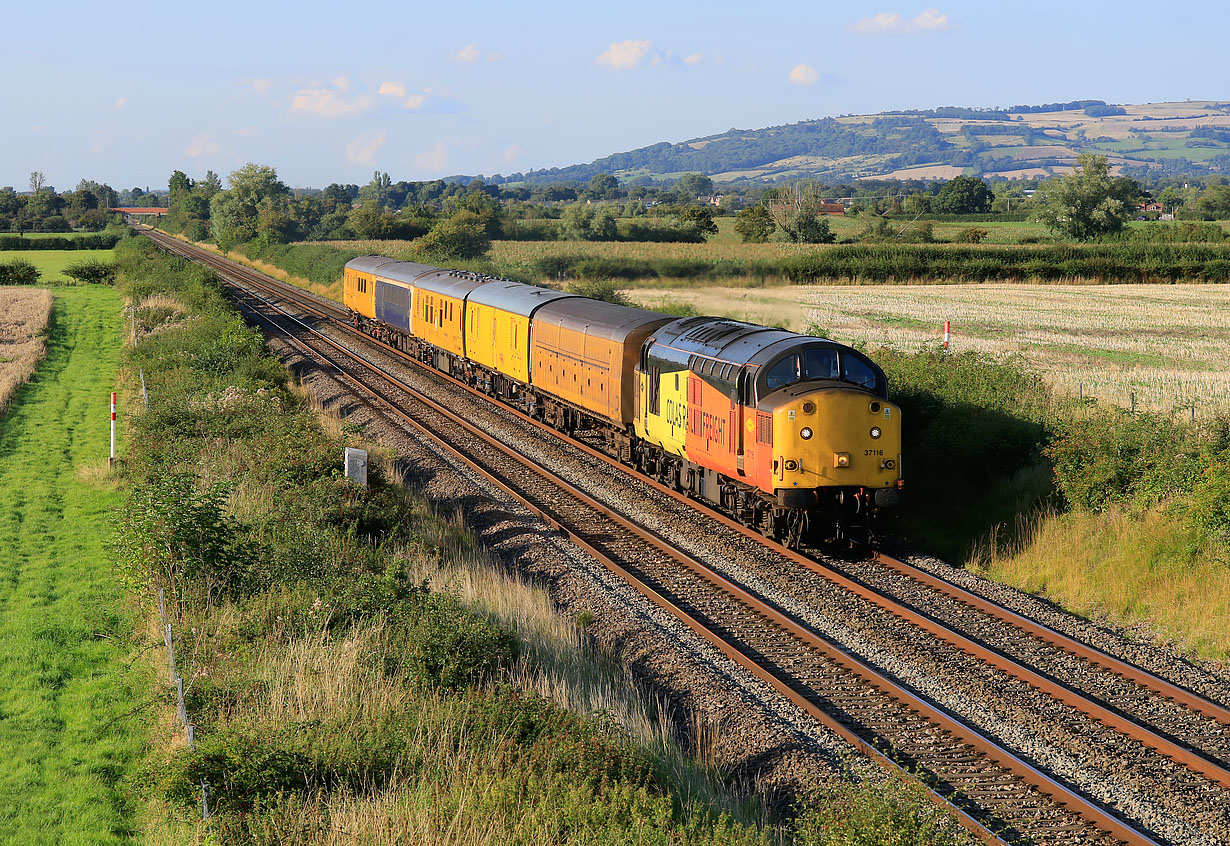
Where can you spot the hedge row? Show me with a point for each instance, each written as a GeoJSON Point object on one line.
{"type": "Point", "coordinates": [93, 241]}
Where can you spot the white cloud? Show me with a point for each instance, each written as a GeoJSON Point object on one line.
{"type": "Point", "coordinates": [363, 150]}
{"type": "Point", "coordinates": [512, 153]}
{"type": "Point", "coordinates": [414, 101]}
{"type": "Point", "coordinates": [892, 23]}
{"type": "Point", "coordinates": [342, 83]}
{"type": "Point", "coordinates": [469, 53]}
{"type": "Point", "coordinates": [804, 75]}
{"type": "Point", "coordinates": [327, 103]}
{"type": "Point", "coordinates": [121, 103]}
{"type": "Point", "coordinates": [624, 54]}
{"type": "Point", "coordinates": [202, 145]}
{"type": "Point", "coordinates": [434, 160]}
{"type": "Point", "coordinates": [693, 59]}
{"type": "Point", "coordinates": [495, 56]}
{"type": "Point", "coordinates": [389, 88]}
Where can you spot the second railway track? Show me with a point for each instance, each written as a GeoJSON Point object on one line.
{"type": "Point", "coordinates": [783, 644]}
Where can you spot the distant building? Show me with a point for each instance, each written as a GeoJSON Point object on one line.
{"type": "Point", "coordinates": [1151, 206]}
{"type": "Point", "coordinates": [832, 208]}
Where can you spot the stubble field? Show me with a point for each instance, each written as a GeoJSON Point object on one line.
{"type": "Point", "coordinates": [24, 313]}
{"type": "Point", "coordinates": [1167, 344]}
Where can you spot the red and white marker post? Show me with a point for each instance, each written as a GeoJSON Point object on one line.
{"type": "Point", "coordinates": [947, 335]}
{"type": "Point", "coordinates": [112, 462]}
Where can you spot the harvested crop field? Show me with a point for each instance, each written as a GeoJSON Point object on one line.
{"type": "Point", "coordinates": [1167, 344]}
{"type": "Point", "coordinates": [24, 313]}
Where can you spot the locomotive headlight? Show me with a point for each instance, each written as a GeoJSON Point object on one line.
{"type": "Point", "coordinates": [841, 459]}
{"type": "Point", "coordinates": [875, 432]}
{"type": "Point", "coordinates": [805, 433]}
{"type": "Point", "coordinates": [792, 465]}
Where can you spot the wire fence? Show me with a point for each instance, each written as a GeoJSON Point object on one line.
{"type": "Point", "coordinates": [176, 681]}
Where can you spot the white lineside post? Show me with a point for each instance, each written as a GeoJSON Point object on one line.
{"type": "Point", "coordinates": [947, 333]}
{"type": "Point", "coordinates": [111, 463]}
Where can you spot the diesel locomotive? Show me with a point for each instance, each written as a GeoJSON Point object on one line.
{"type": "Point", "coordinates": [792, 435]}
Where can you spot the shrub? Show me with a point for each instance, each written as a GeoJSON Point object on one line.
{"type": "Point", "coordinates": [1117, 458]}
{"type": "Point", "coordinates": [1207, 510]}
{"type": "Point", "coordinates": [18, 272]}
{"type": "Point", "coordinates": [92, 272]}
{"type": "Point", "coordinates": [599, 289]}
{"type": "Point", "coordinates": [972, 235]}
{"type": "Point", "coordinates": [450, 646]}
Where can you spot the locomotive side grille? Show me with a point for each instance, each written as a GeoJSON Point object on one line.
{"type": "Point", "coordinates": [764, 429]}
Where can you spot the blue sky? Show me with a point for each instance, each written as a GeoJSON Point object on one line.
{"type": "Point", "coordinates": [125, 93]}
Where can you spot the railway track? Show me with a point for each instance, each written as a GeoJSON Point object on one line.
{"type": "Point", "coordinates": [872, 711]}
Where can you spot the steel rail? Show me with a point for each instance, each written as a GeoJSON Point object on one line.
{"type": "Point", "coordinates": [971, 737]}
{"type": "Point", "coordinates": [1192, 759]}
{"type": "Point", "coordinates": [579, 537]}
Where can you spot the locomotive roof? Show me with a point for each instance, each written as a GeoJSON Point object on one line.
{"type": "Point", "coordinates": [515, 297]}
{"type": "Point", "coordinates": [597, 318]}
{"type": "Point", "coordinates": [718, 337]}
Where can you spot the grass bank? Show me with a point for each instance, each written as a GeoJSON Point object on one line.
{"type": "Point", "coordinates": [68, 734]}
{"type": "Point", "coordinates": [358, 669]}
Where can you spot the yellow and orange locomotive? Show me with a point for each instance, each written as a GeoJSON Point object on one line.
{"type": "Point", "coordinates": [791, 434]}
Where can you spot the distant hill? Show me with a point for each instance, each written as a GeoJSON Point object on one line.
{"type": "Point", "coordinates": [1020, 142]}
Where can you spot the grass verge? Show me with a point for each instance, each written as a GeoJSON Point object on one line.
{"type": "Point", "coordinates": [358, 670]}
{"type": "Point", "coordinates": [68, 731]}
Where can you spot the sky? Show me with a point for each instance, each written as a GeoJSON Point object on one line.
{"type": "Point", "coordinates": [330, 92]}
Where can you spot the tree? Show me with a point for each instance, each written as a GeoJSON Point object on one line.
{"type": "Point", "coordinates": [797, 210]}
{"type": "Point", "coordinates": [37, 181]}
{"type": "Point", "coordinates": [1089, 202]}
{"type": "Point", "coordinates": [698, 220]}
{"type": "Point", "coordinates": [1214, 202]}
{"type": "Point", "coordinates": [693, 185]}
{"type": "Point", "coordinates": [963, 195]}
{"type": "Point", "coordinates": [461, 236]}
{"type": "Point", "coordinates": [917, 204]}
{"type": "Point", "coordinates": [235, 213]}
{"type": "Point", "coordinates": [755, 225]}
{"type": "Point", "coordinates": [603, 186]}
{"type": "Point", "coordinates": [585, 222]}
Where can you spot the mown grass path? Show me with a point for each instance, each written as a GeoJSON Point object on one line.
{"type": "Point", "coordinates": [67, 738]}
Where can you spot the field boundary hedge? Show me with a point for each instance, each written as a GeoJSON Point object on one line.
{"type": "Point", "coordinates": [99, 241]}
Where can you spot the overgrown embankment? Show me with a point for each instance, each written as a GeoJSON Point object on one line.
{"type": "Point", "coordinates": [335, 690]}
{"type": "Point", "coordinates": [1101, 510]}
{"type": "Point", "coordinates": [73, 709]}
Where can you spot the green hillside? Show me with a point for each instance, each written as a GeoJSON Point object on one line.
{"type": "Point", "coordinates": [1018, 142]}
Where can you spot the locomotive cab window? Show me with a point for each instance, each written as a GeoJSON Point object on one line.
{"type": "Point", "coordinates": [821, 363]}
{"type": "Point", "coordinates": [784, 372]}
{"type": "Point", "coordinates": [861, 372]}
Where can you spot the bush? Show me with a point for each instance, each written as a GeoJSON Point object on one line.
{"type": "Point", "coordinates": [18, 272]}
{"type": "Point", "coordinates": [1117, 458]}
{"type": "Point", "coordinates": [599, 289]}
{"type": "Point", "coordinates": [1207, 510]}
{"type": "Point", "coordinates": [972, 235]}
{"type": "Point", "coordinates": [449, 646]}
{"type": "Point", "coordinates": [92, 272]}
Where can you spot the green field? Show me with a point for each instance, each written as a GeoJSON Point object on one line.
{"type": "Point", "coordinates": [36, 235]}
{"type": "Point", "coordinates": [68, 690]}
{"type": "Point", "coordinates": [53, 262]}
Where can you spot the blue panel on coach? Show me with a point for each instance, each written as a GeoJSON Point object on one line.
{"type": "Point", "coordinates": [393, 305]}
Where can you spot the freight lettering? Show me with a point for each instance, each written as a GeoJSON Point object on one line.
{"type": "Point", "coordinates": [713, 428]}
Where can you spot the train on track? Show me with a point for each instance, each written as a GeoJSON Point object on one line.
{"type": "Point", "coordinates": [790, 434]}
